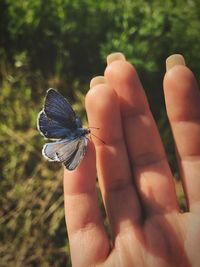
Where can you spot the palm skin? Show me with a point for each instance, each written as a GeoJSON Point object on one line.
{"type": "Point", "coordinates": [136, 183]}
{"type": "Point", "coordinates": [169, 240]}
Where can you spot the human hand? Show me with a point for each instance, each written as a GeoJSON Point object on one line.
{"type": "Point", "coordinates": [136, 183]}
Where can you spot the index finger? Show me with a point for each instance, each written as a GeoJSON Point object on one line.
{"type": "Point", "coordinates": [83, 218]}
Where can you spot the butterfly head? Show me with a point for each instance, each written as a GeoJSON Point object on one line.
{"type": "Point", "coordinates": [83, 131]}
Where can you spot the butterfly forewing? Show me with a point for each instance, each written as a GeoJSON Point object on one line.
{"type": "Point", "coordinates": [51, 129]}
{"type": "Point", "coordinates": [58, 109]}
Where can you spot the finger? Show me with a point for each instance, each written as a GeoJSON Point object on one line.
{"type": "Point", "coordinates": [114, 174]}
{"type": "Point", "coordinates": [152, 173]}
{"type": "Point", "coordinates": [88, 241]}
{"type": "Point", "coordinates": [182, 98]}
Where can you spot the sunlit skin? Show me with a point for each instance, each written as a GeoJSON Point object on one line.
{"type": "Point", "coordinates": [136, 183]}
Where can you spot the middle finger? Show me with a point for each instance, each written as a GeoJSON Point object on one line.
{"type": "Point", "coordinates": [152, 173]}
{"type": "Point", "coordinates": [120, 198]}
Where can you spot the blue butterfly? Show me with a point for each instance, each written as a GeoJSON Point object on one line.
{"type": "Point", "coordinates": [58, 121]}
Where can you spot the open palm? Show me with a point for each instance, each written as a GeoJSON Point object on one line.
{"type": "Point", "coordinates": [136, 183]}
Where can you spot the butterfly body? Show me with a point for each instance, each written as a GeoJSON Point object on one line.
{"type": "Point", "coordinates": [58, 122]}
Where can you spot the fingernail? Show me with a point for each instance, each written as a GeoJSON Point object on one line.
{"type": "Point", "coordinates": [115, 56]}
{"type": "Point", "coordinates": [174, 60]}
{"type": "Point", "coordinates": [97, 80]}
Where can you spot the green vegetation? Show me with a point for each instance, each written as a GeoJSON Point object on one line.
{"type": "Point", "coordinates": [63, 44]}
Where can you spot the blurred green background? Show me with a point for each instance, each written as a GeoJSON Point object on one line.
{"type": "Point", "coordinates": [63, 44]}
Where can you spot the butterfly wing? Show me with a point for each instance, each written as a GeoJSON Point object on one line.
{"type": "Point", "coordinates": [49, 150]}
{"type": "Point", "coordinates": [58, 109]}
{"type": "Point", "coordinates": [50, 128]}
{"type": "Point", "coordinates": [78, 154]}
{"type": "Point", "coordinates": [69, 152]}
{"type": "Point", "coordinates": [57, 120]}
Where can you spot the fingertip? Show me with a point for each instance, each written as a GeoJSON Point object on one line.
{"type": "Point", "coordinates": [180, 81]}
{"type": "Point", "coordinates": [121, 70]}
{"type": "Point", "coordinates": [174, 60]}
{"type": "Point", "coordinates": [123, 78]}
{"type": "Point", "coordinates": [87, 162]}
{"type": "Point", "coordinates": [94, 92]}
{"type": "Point", "coordinates": [103, 111]}
{"type": "Point", "coordinates": [182, 95]}
{"type": "Point", "coordinates": [97, 80]}
{"type": "Point", "coordinates": [83, 178]}
{"type": "Point", "coordinates": [99, 97]}
{"type": "Point", "coordinates": [115, 56]}
{"type": "Point", "coordinates": [179, 74]}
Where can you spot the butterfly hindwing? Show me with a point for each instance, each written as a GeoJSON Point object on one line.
{"type": "Point", "coordinates": [78, 156]}
{"type": "Point", "coordinates": [69, 152]}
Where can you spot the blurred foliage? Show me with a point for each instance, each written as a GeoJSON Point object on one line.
{"type": "Point", "coordinates": [62, 44]}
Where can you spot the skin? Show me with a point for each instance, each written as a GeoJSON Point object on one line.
{"type": "Point", "coordinates": [136, 183]}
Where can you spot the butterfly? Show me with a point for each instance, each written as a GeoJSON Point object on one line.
{"type": "Point", "coordinates": [58, 122]}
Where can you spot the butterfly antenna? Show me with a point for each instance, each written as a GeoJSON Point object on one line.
{"type": "Point", "coordinates": [98, 138]}
{"type": "Point", "coordinates": [94, 128]}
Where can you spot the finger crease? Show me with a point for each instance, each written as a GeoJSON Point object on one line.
{"type": "Point", "coordinates": [119, 185]}
{"type": "Point", "coordinates": [148, 159]}
{"type": "Point", "coordinates": [89, 226]}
